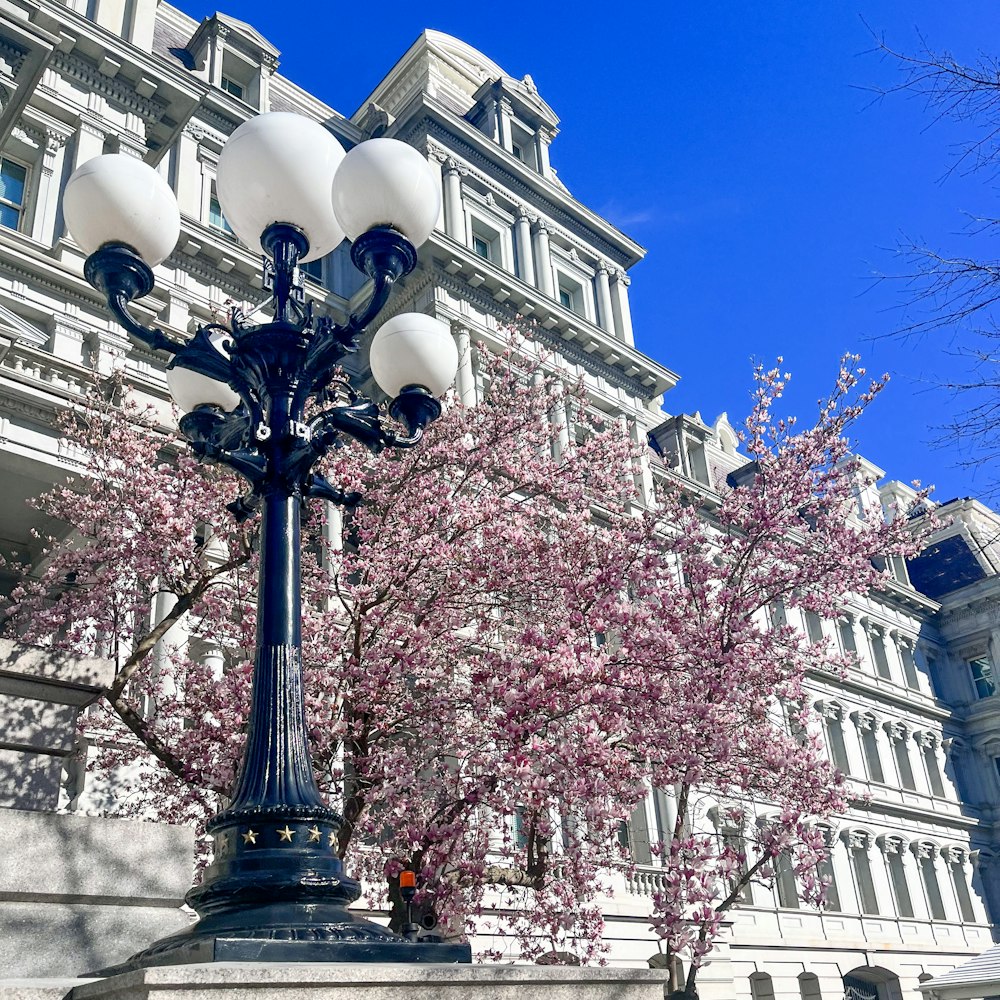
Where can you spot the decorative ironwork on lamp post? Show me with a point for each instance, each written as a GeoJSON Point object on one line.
{"type": "Point", "coordinates": [276, 890]}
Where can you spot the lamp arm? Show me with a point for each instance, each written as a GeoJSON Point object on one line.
{"type": "Point", "coordinates": [150, 336]}
{"type": "Point", "coordinates": [333, 342]}
{"type": "Point", "coordinates": [321, 488]}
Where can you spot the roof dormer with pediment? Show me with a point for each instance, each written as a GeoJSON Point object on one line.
{"type": "Point", "coordinates": [233, 56]}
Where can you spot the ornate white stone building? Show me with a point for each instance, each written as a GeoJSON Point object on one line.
{"type": "Point", "coordinates": [916, 725]}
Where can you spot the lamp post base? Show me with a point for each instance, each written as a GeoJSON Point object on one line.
{"type": "Point", "coordinates": [290, 932]}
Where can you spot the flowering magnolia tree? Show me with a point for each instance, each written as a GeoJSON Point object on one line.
{"type": "Point", "coordinates": [505, 651]}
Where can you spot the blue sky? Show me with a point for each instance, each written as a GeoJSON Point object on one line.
{"type": "Point", "coordinates": [741, 144]}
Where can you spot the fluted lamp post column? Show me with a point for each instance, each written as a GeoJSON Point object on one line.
{"type": "Point", "coordinates": [276, 890]}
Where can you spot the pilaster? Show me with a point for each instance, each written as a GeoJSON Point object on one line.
{"type": "Point", "coordinates": [522, 246]}
{"type": "Point", "coordinates": [620, 308]}
{"type": "Point", "coordinates": [605, 311]}
{"type": "Point", "coordinates": [454, 211]}
{"type": "Point", "coordinates": [465, 379]}
{"type": "Point", "coordinates": [543, 260]}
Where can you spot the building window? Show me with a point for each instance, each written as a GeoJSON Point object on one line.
{"type": "Point", "coordinates": [847, 640]}
{"type": "Point", "coordinates": [929, 877]}
{"type": "Point", "coordinates": [928, 751]}
{"type": "Point", "coordinates": [570, 294]}
{"type": "Point", "coordinates": [901, 751]}
{"type": "Point", "coordinates": [879, 654]}
{"type": "Point", "coordinates": [734, 842]}
{"type": "Point", "coordinates": [215, 217]}
{"type": "Point", "coordinates": [809, 986]}
{"type": "Point", "coordinates": [814, 627]}
{"type": "Point", "coordinates": [909, 667]}
{"type": "Point", "coordinates": [313, 269]}
{"type": "Point", "coordinates": [896, 863]}
{"type": "Point", "coordinates": [486, 242]}
{"type": "Point", "coordinates": [982, 676]}
{"type": "Point", "coordinates": [761, 987]}
{"type": "Point", "coordinates": [825, 871]}
{"type": "Point", "coordinates": [869, 745]}
{"type": "Point", "coordinates": [784, 881]}
{"type": "Point", "coordinates": [962, 894]}
{"type": "Point", "coordinates": [230, 86]}
{"type": "Point", "coordinates": [13, 182]}
{"type": "Point", "coordinates": [861, 864]}
{"type": "Point", "coordinates": [835, 743]}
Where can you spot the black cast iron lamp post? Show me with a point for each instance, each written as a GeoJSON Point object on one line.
{"type": "Point", "coordinates": [276, 890]}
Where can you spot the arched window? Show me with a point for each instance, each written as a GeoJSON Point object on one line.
{"type": "Point", "coordinates": [927, 863]}
{"type": "Point", "coordinates": [899, 737]}
{"type": "Point", "coordinates": [894, 849]}
{"type": "Point", "coordinates": [868, 732]}
{"type": "Point", "coordinates": [761, 987]}
{"type": "Point", "coordinates": [932, 765]}
{"type": "Point", "coordinates": [825, 871]}
{"type": "Point", "coordinates": [809, 986]}
{"type": "Point", "coordinates": [784, 881]}
{"type": "Point", "coordinates": [858, 843]}
{"type": "Point", "coordinates": [833, 729]}
{"type": "Point", "coordinates": [955, 859]}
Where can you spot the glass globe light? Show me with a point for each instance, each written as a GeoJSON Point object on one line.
{"type": "Point", "coordinates": [414, 349]}
{"type": "Point", "coordinates": [385, 182]}
{"type": "Point", "coordinates": [191, 389]}
{"type": "Point", "coordinates": [279, 167]}
{"type": "Point", "coordinates": [117, 198]}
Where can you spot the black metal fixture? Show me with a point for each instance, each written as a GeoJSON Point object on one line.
{"type": "Point", "coordinates": [276, 890]}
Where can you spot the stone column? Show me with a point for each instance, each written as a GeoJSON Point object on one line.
{"type": "Point", "coordinates": [465, 379]}
{"type": "Point", "coordinates": [620, 308]}
{"type": "Point", "coordinates": [454, 213]}
{"type": "Point", "coordinates": [522, 245]}
{"type": "Point", "coordinates": [543, 260]}
{"type": "Point", "coordinates": [605, 311]}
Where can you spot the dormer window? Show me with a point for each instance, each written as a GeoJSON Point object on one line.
{"type": "Point", "coordinates": [230, 86]}
{"type": "Point", "coordinates": [234, 57]}
{"type": "Point", "coordinates": [512, 114]}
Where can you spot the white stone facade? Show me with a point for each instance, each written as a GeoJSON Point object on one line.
{"type": "Point", "coordinates": [916, 725]}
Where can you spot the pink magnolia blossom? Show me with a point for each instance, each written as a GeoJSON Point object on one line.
{"type": "Point", "coordinates": [505, 654]}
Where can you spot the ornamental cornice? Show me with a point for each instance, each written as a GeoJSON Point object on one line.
{"type": "Point", "coordinates": [511, 187]}
{"type": "Point", "coordinates": [484, 301]}
{"type": "Point", "coordinates": [10, 264]}
{"type": "Point", "coordinates": [35, 411]}
{"type": "Point", "coordinates": [13, 55]}
{"type": "Point", "coordinates": [240, 290]}
{"type": "Point", "coordinates": [84, 72]}
{"type": "Point", "coordinates": [217, 121]}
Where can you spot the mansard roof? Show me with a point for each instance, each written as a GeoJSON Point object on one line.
{"type": "Point", "coordinates": [453, 72]}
